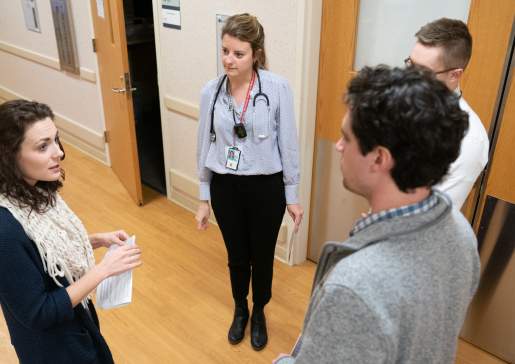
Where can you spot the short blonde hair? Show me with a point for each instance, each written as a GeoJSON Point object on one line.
{"type": "Point", "coordinates": [247, 28]}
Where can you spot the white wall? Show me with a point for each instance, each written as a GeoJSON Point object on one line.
{"type": "Point", "coordinates": [23, 73]}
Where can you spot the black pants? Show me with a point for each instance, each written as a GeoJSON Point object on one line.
{"type": "Point", "coordinates": [249, 211]}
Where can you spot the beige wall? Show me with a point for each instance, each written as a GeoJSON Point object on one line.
{"type": "Point", "coordinates": [28, 70]}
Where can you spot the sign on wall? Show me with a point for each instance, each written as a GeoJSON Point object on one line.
{"type": "Point", "coordinates": [65, 36]}
{"type": "Point", "coordinates": [171, 14]}
{"type": "Point", "coordinates": [30, 12]}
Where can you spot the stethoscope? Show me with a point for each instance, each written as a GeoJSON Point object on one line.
{"type": "Point", "coordinates": [212, 134]}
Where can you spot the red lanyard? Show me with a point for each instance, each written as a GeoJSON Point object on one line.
{"type": "Point", "coordinates": [247, 99]}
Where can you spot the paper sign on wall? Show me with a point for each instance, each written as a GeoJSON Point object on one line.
{"type": "Point", "coordinates": [171, 14]}
{"type": "Point", "coordinates": [100, 8]}
{"type": "Point", "coordinates": [171, 3]}
{"type": "Point", "coordinates": [30, 12]}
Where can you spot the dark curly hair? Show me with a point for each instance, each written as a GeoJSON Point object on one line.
{"type": "Point", "coordinates": [416, 117]}
{"type": "Point", "coordinates": [15, 117]}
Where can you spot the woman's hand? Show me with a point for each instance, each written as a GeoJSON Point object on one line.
{"type": "Point", "coordinates": [121, 260]}
{"type": "Point", "coordinates": [203, 215]}
{"type": "Point", "coordinates": [296, 213]}
{"type": "Point", "coordinates": [108, 239]}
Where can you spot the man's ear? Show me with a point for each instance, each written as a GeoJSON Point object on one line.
{"type": "Point", "coordinates": [383, 159]}
{"type": "Point", "coordinates": [456, 74]}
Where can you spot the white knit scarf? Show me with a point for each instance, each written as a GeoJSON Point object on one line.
{"type": "Point", "coordinates": [61, 239]}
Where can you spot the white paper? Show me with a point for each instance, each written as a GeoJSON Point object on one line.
{"type": "Point", "coordinates": [100, 8]}
{"type": "Point", "coordinates": [30, 12]}
{"type": "Point", "coordinates": [290, 246]}
{"type": "Point", "coordinates": [172, 17]}
{"type": "Point", "coordinates": [115, 291]}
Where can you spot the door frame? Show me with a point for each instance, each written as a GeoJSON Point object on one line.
{"type": "Point", "coordinates": [158, 21]}
{"type": "Point", "coordinates": [307, 57]}
{"type": "Point", "coordinates": [156, 6]}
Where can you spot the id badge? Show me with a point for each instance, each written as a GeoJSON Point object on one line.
{"type": "Point", "coordinates": [233, 158]}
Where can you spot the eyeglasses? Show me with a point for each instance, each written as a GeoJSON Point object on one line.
{"type": "Point", "coordinates": [408, 62]}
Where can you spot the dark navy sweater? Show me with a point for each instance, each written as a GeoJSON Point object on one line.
{"type": "Point", "coordinates": [43, 325]}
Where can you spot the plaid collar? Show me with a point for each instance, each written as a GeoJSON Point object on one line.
{"type": "Point", "coordinates": [418, 208]}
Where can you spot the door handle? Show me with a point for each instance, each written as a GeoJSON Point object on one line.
{"type": "Point", "coordinates": [133, 89]}
{"type": "Point", "coordinates": [115, 89]}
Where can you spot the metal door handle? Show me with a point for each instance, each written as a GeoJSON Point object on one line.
{"type": "Point", "coordinates": [115, 89]}
{"type": "Point", "coordinates": [133, 89]}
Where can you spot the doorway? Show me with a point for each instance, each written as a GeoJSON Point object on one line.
{"type": "Point", "coordinates": [141, 51]}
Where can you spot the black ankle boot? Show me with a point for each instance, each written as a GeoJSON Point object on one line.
{"type": "Point", "coordinates": [239, 323]}
{"type": "Point", "coordinates": [258, 335]}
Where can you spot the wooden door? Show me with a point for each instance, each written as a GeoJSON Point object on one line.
{"type": "Point", "coordinates": [113, 66]}
{"type": "Point", "coordinates": [489, 23]}
{"type": "Point", "coordinates": [500, 175]}
{"type": "Point", "coordinates": [337, 54]}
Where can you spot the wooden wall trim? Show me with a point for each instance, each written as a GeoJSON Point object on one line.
{"type": "Point", "coordinates": [44, 60]}
{"type": "Point", "coordinates": [181, 106]}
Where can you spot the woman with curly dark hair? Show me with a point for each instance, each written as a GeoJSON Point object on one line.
{"type": "Point", "coordinates": [47, 268]}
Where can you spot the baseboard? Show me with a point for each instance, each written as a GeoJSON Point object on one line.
{"type": "Point", "coordinates": [82, 146]}
{"type": "Point", "coordinates": [79, 131]}
{"type": "Point", "coordinates": [280, 253]}
{"type": "Point", "coordinates": [44, 60]}
{"type": "Point", "coordinates": [184, 107]}
{"type": "Point", "coordinates": [81, 137]}
{"type": "Point", "coordinates": [185, 192]}
{"type": "Point", "coordinates": [182, 199]}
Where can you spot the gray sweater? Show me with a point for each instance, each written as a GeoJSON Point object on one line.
{"type": "Point", "coordinates": [402, 299]}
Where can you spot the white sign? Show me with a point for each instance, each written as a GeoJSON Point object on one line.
{"type": "Point", "coordinates": [30, 12]}
{"type": "Point", "coordinates": [100, 8]}
{"type": "Point", "coordinates": [172, 17]}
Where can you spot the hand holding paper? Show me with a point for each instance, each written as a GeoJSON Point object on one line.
{"type": "Point", "coordinates": [116, 291]}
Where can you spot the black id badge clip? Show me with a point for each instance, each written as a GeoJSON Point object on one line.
{"type": "Point", "coordinates": [239, 130]}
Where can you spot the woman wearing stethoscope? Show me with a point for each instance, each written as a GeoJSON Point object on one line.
{"type": "Point", "coordinates": [249, 167]}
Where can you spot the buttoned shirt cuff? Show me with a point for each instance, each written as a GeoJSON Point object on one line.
{"type": "Point", "coordinates": [291, 194]}
{"type": "Point", "coordinates": [286, 360]}
{"type": "Point", "coordinates": [205, 191]}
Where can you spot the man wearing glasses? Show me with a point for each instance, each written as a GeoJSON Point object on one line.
{"type": "Point", "coordinates": [445, 47]}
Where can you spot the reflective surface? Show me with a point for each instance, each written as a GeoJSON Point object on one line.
{"type": "Point", "coordinates": [335, 210]}
{"type": "Point", "coordinates": [386, 30]}
{"type": "Point", "coordinates": [490, 320]}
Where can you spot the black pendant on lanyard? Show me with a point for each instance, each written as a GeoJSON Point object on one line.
{"type": "Point", "coordinates": [239, 128]}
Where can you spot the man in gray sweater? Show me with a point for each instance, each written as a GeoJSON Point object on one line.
{"type": "Point", "coordinates": [398, 289]}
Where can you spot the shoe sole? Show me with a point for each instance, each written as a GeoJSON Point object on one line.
{"type": "Point", "coordinates": [236, 342]}
{"type": "Point", "coordinates": [259, 349]}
